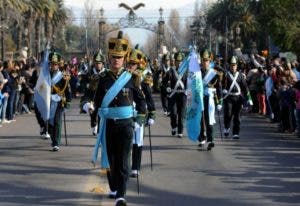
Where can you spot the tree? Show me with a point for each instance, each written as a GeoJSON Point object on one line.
{"type": "Point", "coordinates": [283, 23]}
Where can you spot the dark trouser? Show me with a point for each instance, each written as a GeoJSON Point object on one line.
{"type": "Point", "coordinates": [207, 130]}
{"type": "Point", "coordinates": [177, 105]}
{"type": "Point", "coordinates": [94, 120]}
{"type": "Point", "coordinates": [164, 98]}
{"type": "Point", "coordinates": [255, 107]}
{"type": "Point", "coordinates": [10, 105]}
{"type": "Point", "coordinates": [55, 129]}
{"type": "Point", "coordinates": [232, 109]}
{"type": "Point", "coordinates": [39, 117]}
{"type": "Point", "coordinates": [274, 104]}
{"type": "Point", "coordinates": [119, 135]}
{"type": "Point", "coordinates": [298, 122]}
{"type": "Point", "coordinates": [136, 157]}
{"type": "Point", "coordinates": [287, 118]}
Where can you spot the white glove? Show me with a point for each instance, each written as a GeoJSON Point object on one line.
{"type": "Point", "coordinates": [225, 91]}
{"type": "Point", "coordinates": [219, 107]}
{"type": "Point", "coordinates": [88, 106]}
{"type": "Point", "coordinates": [136, 125]}
{"type": "Point", "coordinates": [168, 89]}
{"type": "Point", "coordinates": [250, 103]}
{"type": "Point", "coordinates": [150, 121]}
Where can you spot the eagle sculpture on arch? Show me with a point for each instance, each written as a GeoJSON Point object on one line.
{"type": "Point", "coordinates": [132, 9]}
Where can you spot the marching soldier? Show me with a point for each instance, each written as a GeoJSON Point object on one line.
{"type": "Point", "coordinates": [163, 88]}
{"type": "Point", "coordinates": [87, 105]}
{"type": "Point", "coordinates": [177, 98]}
{"type": "Point", "coordinates": [60, 99]}
{"type": "Point", "coordinates": [234, 90]}
{"type": "Point", "coordinates": [114, 99]}
{"type": "Point", "coordinates": [144, 78]}
{"type": "Point", "coordinates": [211, 96]}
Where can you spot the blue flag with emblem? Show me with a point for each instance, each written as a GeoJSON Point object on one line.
{"type": "Point", "coordinates": [42, 91]}
{"type": "Point", "coordinates": [194, 92]}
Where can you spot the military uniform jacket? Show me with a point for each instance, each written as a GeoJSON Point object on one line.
{"type": "Point", "coordinates": [63, 89]}
{"type": "Point", "coordinates": [93, 79]}
{"type": "Point", "coordinates": [241, 81]}
{"type": "Point", "coordinates": [171, 79]}
{"type": "Point", "coordinates": [214, 83]}
{"type": "Point", "coordinates": [129, 93]}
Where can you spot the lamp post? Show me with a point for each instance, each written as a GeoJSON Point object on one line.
{"type": "Point", "coordinates": [160, 31]}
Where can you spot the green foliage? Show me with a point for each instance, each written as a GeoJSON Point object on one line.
{"type": "Point", "coordinates": [278, 18]}
{"type": "Point", "coordinates": [283, 19]}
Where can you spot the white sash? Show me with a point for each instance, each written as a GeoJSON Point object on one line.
{"type": "Point", "coordinates": [211, 106]}
{"type": "Point", "coordinates": [178, 83]}
{"type": "Point", "coordinates": [234, 83]}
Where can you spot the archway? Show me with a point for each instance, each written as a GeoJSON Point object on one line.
{"type": "Point", "coordinates": [132, 20]}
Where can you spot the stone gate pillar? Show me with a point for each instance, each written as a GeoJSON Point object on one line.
{"type": "Point", "coordinates": [102, 23]}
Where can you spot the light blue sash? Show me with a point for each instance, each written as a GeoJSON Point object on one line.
{"type": "Point", "coordinates": [105, 113]}
{"type": "Point", "coordinates": [211, 73]}
{"type": "Point", "coordinates": [56, 78]}
{"type": "Point", "coordinates": [53, 104]}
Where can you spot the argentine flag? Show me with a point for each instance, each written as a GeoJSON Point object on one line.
{"type": "Point", "coordinates": [42, 91]}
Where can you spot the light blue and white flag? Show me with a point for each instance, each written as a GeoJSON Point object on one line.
{"type": "Point", "coordinates": [194, 92]}
{"type": "Point", "coordinates": [42, 90]}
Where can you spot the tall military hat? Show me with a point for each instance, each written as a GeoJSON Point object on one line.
{"type": "Point", "coordinates": [179, 56]}
{"type": "Point", "coordinates": [206, 55]}
{"type": "Point", "coordinates": [166, 57]}
{"type": "Point", "coordinates": [99, 57]}
{"type": "Point", "coordinates": [118, 46]}
{"type": "Point", "coordinates": [135, 55]}
{"type": "Point", "coordinates": [54, 57]}
{"type": "Point", "coordinates": [233, 60]}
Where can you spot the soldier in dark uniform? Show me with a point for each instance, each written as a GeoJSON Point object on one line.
{"type": "Point", "coordinates": [145, 77]}
{"type": "Point", "coordinates": [60, 99]}
{"type": "Point", "coordinates": [211, 96]}
{"type": "Point", "coordinates": [86, 102]}
{"type": "Point", "coordinates": [163, 88]}
{"type": "Point", "coordinates": [177, 97]}
{"type": "Point", "coordinates": [117, 113]}
{"type": "Point", "coordinates": [234, 90]}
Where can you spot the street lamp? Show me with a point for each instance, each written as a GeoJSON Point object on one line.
{"type": "Point", "coordinates": [101, 12]}
{"type": "Point", "coordinates": [161, 13]}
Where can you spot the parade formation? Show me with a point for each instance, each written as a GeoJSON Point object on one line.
{"type": "Point", "coordinates": [122, 90]}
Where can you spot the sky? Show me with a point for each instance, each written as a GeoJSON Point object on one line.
{"type": "Point", "coordinates": [150, 12]}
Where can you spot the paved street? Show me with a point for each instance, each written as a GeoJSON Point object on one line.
{"type": "Point", "coordinates": [262, 168]}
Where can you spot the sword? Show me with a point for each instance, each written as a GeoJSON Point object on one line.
{"type": "Point", "coordinates": [65, 128]}
{"type": "Point", "coordinates": [137, 177]}
{"type": "Point", "coordinates": [150, 142]}
{"type": "Point", "coordinates": [220, 125]}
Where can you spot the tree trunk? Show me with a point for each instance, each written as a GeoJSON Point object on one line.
{"type": "Point", "coordinates": [37, 37]}
{"type": "Point", "coordinates": [48, 30]}
{"type": "Point", "coordinates": [19, 38]}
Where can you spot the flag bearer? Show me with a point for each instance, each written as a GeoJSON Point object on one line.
{"type": "Point", "coordinates": [60, 99]}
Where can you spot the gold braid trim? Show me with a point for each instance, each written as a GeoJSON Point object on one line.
{"type": "Point", "coordinates": [61, 92]}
